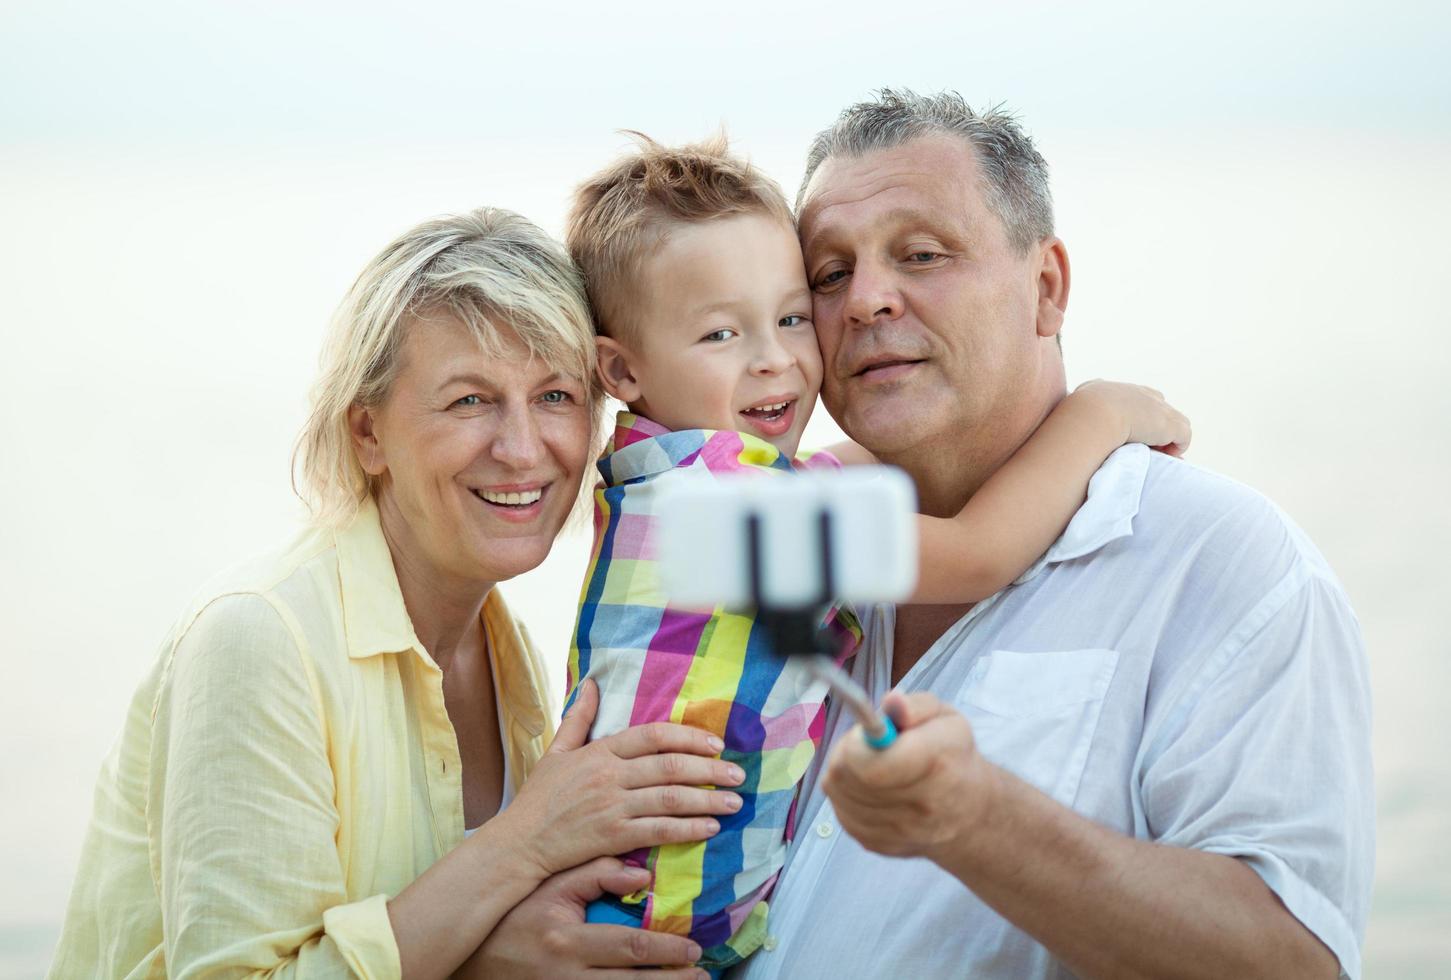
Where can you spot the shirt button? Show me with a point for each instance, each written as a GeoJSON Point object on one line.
{"type": "Point", "coordinates": [823, 829]}
{"type": "Point", "coordinates": [769, 944]}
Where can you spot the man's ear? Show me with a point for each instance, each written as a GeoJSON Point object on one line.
{"type": "Point", "coordinates": [614, 364]}
{"type": "Point", "coordinates": [1053, 282]}
{"type": "Point", "coordinates": [365, 440]}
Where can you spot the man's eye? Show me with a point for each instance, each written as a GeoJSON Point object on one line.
{"type": "Point", "coordinates": [794, 320]}
{"type": "Point", "coordinates": [834, 276]}
{"type": "Point", "coordinates": [556, 397]}
{"type": "Point", "coordinates": [718, 336]}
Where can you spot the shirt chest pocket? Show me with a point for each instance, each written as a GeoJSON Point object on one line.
{"type": "Point", "coordinates": [1034, 714]}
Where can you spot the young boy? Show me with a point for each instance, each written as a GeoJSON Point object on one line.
{"type": "Point", "coordinates": [704, 319]}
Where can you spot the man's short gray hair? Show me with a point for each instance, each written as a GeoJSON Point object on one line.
{"type": "Point", "coordinates": [1015, 174]}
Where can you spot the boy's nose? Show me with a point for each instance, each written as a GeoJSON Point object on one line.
{"type": "Point", "coordinates": [771, 357]}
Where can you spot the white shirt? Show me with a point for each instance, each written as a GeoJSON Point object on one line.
{"type": "Point", "coordinates": [1182, 667]}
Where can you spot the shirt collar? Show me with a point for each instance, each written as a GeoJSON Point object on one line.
{"type": "Point", "coordinates": [376, 620]}
{"type": "Point", "coordinates": [374, 617]}
{"type": "Point", "coordinates": [641, 448]}
{"type": "Point", "coordinates": [1108, 512]}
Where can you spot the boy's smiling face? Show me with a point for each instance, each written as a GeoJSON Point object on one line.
{"type": "Point", "coordinates": [722, 337]}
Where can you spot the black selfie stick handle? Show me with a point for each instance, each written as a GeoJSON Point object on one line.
{"type": "Point", "coordinates": [794, 631]}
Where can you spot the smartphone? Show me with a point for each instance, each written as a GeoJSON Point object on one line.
{"type": "Point", "coordinates": [793, 542]}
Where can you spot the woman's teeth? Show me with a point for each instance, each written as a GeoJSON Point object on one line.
{"type": "Point", "coordinates": [511, 499]}
{"type": "Point", "coordinates": [767, 411]}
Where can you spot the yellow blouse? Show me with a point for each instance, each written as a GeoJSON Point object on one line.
{"type": "Point", "coordinates": [286, 767]}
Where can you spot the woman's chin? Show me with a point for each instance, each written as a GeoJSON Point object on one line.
{"type": "Point", "coordinates": [501, 558]}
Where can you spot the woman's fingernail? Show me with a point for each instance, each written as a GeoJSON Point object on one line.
{"type": "Point", "coordinates": [715, 743]}
{"type": "Point", "coordinates": [693, 952]}
{"type": "Point", "coordinates": [733, 801]}
{"type": "Point", "coordinates": [711, 827]}
{"type": "Point", "coordinates": [737, 773]}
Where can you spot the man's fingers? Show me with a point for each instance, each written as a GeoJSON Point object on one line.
{"type": "Point", "coordinates": [911, 710]}
{"type": "Point", "coordinates": [625, 946]}
{"type": "Point", "coordinates": [675, 768]}
{"type": "Point", "coordinates": [660, 736]}
{"type": "Point", "coordinates": [573, 730]}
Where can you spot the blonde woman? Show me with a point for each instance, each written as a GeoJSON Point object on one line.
{"type": "Point", "coordinates": [325, 772]}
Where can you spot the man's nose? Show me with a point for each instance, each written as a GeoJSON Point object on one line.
{"type": "Point", "coordinates": [518, 442]}
{"type": "Point", "coordinates": [770, 355]}
{"type": "Point", "coordinates": [871, 295]}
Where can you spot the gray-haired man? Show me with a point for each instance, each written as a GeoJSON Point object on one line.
{"type": "Point", "coordinates": [1148, 757]}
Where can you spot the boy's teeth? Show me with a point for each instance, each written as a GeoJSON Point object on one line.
{"type": "Point", "coordinates": [512, 499]}
{"type": "Point", "coordinates": [768, 409]}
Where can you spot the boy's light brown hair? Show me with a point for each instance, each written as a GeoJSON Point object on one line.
{"type": "Point", "coordinates": [622, 214]}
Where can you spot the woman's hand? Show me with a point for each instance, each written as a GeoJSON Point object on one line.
{"type": "Point", "coordinates": [546, 935]}
{"type": "Point", "coordinates": [1142, 413]}
{"type": "Point", "coordinates": [638, 788]}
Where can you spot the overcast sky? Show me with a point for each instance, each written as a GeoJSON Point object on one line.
{"type": "Point", "coordinates": [1255, 197]}
{"type": "Point", "coordinates": [188, 72]}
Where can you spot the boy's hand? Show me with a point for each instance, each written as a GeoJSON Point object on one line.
{"type": "Point", "coordinates": [1142, 413]}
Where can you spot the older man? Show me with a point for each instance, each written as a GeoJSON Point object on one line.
{"type": "Point", "coordinates": [1148, 757]}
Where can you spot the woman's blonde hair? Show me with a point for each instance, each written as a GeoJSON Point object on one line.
{"type": "Point", "coordinates": [489, 269]}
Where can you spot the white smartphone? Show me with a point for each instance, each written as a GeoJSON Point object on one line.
{"type": "Point", "coordinates": [788, 543]}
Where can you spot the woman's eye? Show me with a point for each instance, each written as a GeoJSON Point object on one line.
{"type": "Point", "coordinates": [794, 320]}
{"type": "Point", "coordinates": [469, 401]}
{"type": "Point", "coordinates": [717, 336]}
{"type": "Point", "coordinates": [556, 397]}
{"type": "Point", "coordinates": [922, 256]}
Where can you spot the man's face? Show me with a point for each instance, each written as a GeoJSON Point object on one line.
{"type": "Point", "coordinates": [928, 318]}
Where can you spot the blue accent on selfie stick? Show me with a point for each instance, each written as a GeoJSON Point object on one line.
{"type": "Point", "coordinates": [888, 736]}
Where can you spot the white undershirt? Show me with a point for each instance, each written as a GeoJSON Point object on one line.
{"type": "Point", "coordinates": [506, 795]}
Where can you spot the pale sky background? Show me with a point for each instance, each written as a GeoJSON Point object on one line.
{"type": "Point", "coordinates": [1255, 200]}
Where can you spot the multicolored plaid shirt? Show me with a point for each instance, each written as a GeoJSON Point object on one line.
{"type": "Point", "coordinates": [716, 671]}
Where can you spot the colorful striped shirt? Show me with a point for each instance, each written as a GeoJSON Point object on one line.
{"type": "Point", "coordinates": [712, 670]}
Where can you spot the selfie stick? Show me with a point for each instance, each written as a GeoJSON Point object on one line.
{"type": "Point", "coordinates": [794, 632]}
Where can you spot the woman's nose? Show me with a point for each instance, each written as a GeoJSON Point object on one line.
{"type": "Point", "coordinates": [517, 443]}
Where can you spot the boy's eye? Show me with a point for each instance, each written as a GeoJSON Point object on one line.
{"type": "Point", "coordinates": [794, 320]}
{"type": "Point", "coordinates": [717, 336]}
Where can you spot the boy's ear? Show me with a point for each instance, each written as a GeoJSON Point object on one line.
{"type": "Point", "coordinates": [365, 440]}
{"type": "Point", "coordinates": [614, 365]}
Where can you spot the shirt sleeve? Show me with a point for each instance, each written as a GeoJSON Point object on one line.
{"type": "Point", "coordinates": [241, 818]}
{"type": "Point", "coordinates": [1267, 759]}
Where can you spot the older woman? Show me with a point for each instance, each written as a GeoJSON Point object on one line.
{"type": "Point", "coordinates": [300, 776]}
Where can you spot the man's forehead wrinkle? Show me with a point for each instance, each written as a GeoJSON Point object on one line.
{"type": "Point", "coordinates": [814, 212]}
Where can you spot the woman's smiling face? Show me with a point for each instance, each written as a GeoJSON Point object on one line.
{"type": "Point", "coordinates": [477, 458]}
